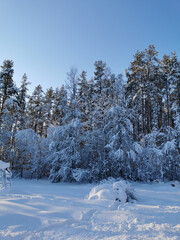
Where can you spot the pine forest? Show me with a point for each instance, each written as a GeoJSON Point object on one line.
{"type": "Point", "coordinates": [91, 129]}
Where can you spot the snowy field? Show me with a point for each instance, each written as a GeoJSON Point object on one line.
{"type": "Point", "coordinates": [41, 210]}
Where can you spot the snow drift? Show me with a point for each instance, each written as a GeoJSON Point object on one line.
{"type": "Point", "coordinates": [120, 192]}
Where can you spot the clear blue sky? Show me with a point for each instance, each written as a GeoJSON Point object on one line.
{"type": "Point", "coordinates": [45, 38]}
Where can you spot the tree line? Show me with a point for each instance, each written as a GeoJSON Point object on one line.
{"type": "Point", "coordinates": [91, 129]}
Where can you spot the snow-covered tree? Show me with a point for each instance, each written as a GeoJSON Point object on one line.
{"type": "Point", "coordinates": [9, 110]}
{"type": "Point", "coordinates": [65, 151]}
{"type": "Point", "coordinates": [121, 153]}
{"type": "Point", "coordinates": [36, 111]}
{"type": "Point", "coordinates": [142, 90]}
{"type": "Point", "coordinates": [25, 148]}
{"type": "Point", "coordinates": [170, 67]}
{"type": "Point", "coordinates": [60, 107]}
{"type": "Point", "coordinates": [48, 108]}
{"type": "Point", "coordinates": [31, 158]}
{"type": "Point", "coordinates": [7, 86]}
{"type": "Point", "coordinates": [22, 96]}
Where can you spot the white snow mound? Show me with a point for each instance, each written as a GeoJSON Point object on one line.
{"type": "Point", "coordinates": [4, 165]}
{"type": "Point", "coordinates": [119, 191]}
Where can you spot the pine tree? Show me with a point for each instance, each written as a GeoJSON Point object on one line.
{"type": "Point", "coordinates": [7, 87]}
{"type": "Point", "coordinates": [36, 111]}
{"type": "Point", "coordinates": [121, 153]}
{"type": "Point", "coordinates": [25, 149]}
{"type": "Point", "coordinates": [65, 151]}
{"type": "Point", "coordinates": [142, 89]}
{"type": "Point", "coordinates": [82, 97]}
{"type": "Point", "coordinates": [60, 106]}
{"type": "Point", "coordinates": [48, 108]}
{"type": "Point", "coordinates": [22, 101]}
{"type": "Point", "coordinates": [100, 92]}
{"type": "Point", "coordinates": [9, 110]}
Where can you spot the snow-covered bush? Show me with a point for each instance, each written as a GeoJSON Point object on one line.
{"type": "Point", "coordinates": [159, 159]}
{"type": "Point", "coordinates": [120, 192]}
{"type": "Point", "coordinates": [65, 151]}
{"type": "Point", "coordinates": [67, 174]}
{"type": "Point", "coordinates": [25, 148]}
{"type": "Point", "coordinates": [81, 175]}
{"type": "Point", "coordinates": [121, 152]}
{"type": "Point", "coordinates": [31, 155]}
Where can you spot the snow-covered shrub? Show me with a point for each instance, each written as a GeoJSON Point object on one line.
{"type": "Point", "coordinates": [110, 180]}
{"type": "Point", "coordinates": [25, 148]}
{"type": "Point", "coordinates": [123, 191]}
{"type": "Point", "coordinates": [64, 174]}
{"type": "Point", "coordinates": [120, 191]}
{"type": "Point", "coordinates": [159, 159]}
{"type": "Point", "coordinates": [67, 174]}
{"type": "Point", "coordinates": [65, 151]}
{"type": "Point", "coordinates": [121, 153]}
{"type": "Point", "coordinates": [81, 175]}
{"type": "Point", "coordinates": [31, 155]}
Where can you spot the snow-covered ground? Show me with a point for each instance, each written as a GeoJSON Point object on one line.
{"type": "Point", "coordinates": [41, 210]}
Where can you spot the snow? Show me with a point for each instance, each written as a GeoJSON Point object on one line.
{"type": "Point", "coordinates": [119, 192]}
{"type": "Point", "coordinates": [169, 146]}
{"type": "Point", "coordinates": [37, 209]}
{"type": "Point", "coordinates": [4, 165]}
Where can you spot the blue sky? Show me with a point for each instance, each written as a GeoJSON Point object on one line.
{"type": "Point", "coordinates": [45, 38]}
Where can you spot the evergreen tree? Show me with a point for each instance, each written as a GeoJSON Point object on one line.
{"type": "Point", "coordinates": [121, 154]}
{"type": "Point", "coordinates": [65, 151]}
{"type": "Point", "coordinates": [99, 128]}
{"type": "Point", "coordinates": [171, 87]}
{"type": "Point", "coordinates": [60, 106]}
{"type": "Point", "coordinates": [142, 89]}
{"type": "Point", "coordinates": [9, 110]}
{"type": "Point", "coordinates": [7, 86]}
{"type": "Point", "coordinates": [22, 101]}
{"type": "Point", "coordinates": [36, 111]}
{"type": "Point", "coordinates": [48, 108]}
{"type": "Point", "coordinates": [101, 80]}
{"type": "Point", "coordinates": [82, 98]}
